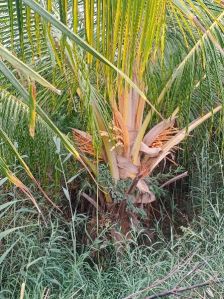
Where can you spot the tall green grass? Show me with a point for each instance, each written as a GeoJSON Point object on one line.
{"type": "Point", "coordinates": [52, 264]}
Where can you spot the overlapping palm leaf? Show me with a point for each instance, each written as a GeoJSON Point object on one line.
{"type": "Point", "coordinates": [121, 60]}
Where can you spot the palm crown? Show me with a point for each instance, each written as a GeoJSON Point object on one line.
{"type": "Point", "coordinates": [125, 64]}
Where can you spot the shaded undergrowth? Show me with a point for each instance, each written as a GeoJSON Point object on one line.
{"type": "Point", "coordinates": [54, 262]}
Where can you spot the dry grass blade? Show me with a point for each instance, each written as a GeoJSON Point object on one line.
{"type": "Point", "coordinates": [177, 291]}
{"type": "Point", "coordinates": [182, 264]}
{"type": "Point", "coordinates": [176, 178]}
{"type": "Point", "coordinates": [92, 201]}
{"type": "Point", "coordinates": [22, 291]}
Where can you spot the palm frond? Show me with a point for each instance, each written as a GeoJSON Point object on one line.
{"type": "Point", "coordinates": [110, 58]}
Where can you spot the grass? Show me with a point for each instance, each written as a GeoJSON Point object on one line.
{"type": "Point", "coordinates": [50, 263]}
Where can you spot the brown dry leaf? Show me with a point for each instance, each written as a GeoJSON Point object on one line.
{"type": "Point", "coordinates": [175, 140]}
{"type": "Point", "coordinates": [146, 195]}
{"type": "Point", "coordinates": [164, 137]}
{"type": "Point", "coordinates": [84, 141]}
{"type": "Point", "coordinates": [142, 186]}
{"type": "Point", "coordinates": [145, 198]}
{"type": "Point", "coordinates": [84, 135]}
{"type": "Point", "coordinates": [150, 151]}
{"type": "Point", "coordinates": [152, 135]}
{"type": "Point", "coordinates": [129, 169]}
{"type": "Point", "coordinates": [14, 180]}
{"type": "Point", "coordinates": [123, 173]}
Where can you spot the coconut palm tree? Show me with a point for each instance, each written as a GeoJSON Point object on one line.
{"type": "Point", "coordinates": [128, 67]}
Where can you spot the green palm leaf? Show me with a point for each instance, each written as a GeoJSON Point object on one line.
{"type": "Point", "coordinates": [74, 37]}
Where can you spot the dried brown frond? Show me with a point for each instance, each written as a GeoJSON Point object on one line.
{"type": "Point", "coordinates": [160, 140]}
{"type": "Point", "coordinates": [84, 142]}
{"type": "Point", "coordinates": [165, 136]}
